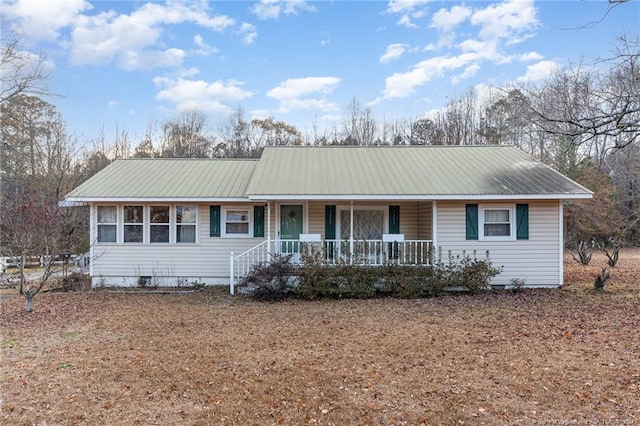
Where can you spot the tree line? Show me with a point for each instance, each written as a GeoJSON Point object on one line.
{"type": "Point", "coordinates": [583, 121]}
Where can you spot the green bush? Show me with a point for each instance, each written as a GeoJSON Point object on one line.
{"type": "Point", "coordinates": [410, 282]}
{"type": "Point", "coordinates": [468, 273]}
{"type": "Point", "coordinates": [315, 279]}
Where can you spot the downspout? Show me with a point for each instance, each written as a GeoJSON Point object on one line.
{"type": "Point", "coordinates": [351, 236]}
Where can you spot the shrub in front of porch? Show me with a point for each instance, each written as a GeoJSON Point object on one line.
{"type": "Point", "coordinates": [271, 280]}
{"type": "Point", "coordinates": [314, 279]}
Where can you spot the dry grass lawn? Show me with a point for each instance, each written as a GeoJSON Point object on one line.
{"type": "Point", "coordinates": [566, 356]}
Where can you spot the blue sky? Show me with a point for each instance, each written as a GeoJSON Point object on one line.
{"type": "Point", "coordinates": [124, 63]}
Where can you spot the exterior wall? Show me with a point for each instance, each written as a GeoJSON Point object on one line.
{"type": "Point", "coordinates": [411, 224]}
{"type": "Point", "coordinates": [537, 260]}
{"type": "Point", "coordinates": [206, 261]}
{"type": "Point", "coordinates": [425, 220]}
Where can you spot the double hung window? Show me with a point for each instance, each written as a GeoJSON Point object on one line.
{"type": "Point", "coordinates": [186, 224]}
{"type": "Point", "coordinates": [497, 223]}
{"type": "Point", "coordinates": [236, 222]}
{"type": "Point", "coordinates": [107, 224]}
{"type": "Point", "coordinates": [133, 224]}
{"type": "Point", "coordinates": [159, 224]}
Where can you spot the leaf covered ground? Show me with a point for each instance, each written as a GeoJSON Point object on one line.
{"type": "Point", "coordinates": [566, 356]}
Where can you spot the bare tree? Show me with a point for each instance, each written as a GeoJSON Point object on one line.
{"type": "Point", "coordinates": [185, 137]}
{"type": "Point", "coordinates": [30, 228]}
{"type": "Point", "coordinates": [359, 126]}
{"type": "Point", "coordinates": [274, 133]}
{"type": "Point", "coordinates": [238, 138]}
{"type": "Point", "coordinates": [21, 72]}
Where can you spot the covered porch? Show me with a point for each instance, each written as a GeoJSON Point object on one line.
{"type": "Point", "coordinates": [339, 232]}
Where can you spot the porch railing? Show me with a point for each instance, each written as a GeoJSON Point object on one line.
{"type": "Point", "coordinates": [334, 252]}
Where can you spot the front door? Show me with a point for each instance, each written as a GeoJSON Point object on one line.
{"type": "Point", "coordinates": [290, 227]}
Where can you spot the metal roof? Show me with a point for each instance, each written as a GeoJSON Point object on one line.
{"type": "Point", "coordinates": [375, 173]}
{"type": "Point", "coordinates": [167, 178]}
{"type": "Point", "coordinates": [406, 172]}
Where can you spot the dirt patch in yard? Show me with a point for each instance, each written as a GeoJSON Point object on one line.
{"type": "Point", "coordinates": [563, 356]}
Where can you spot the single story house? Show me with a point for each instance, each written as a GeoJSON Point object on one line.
{"type": "Point", "coordinates": [178, 221]}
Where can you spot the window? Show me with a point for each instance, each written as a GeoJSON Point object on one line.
{"type": "Point", "coordinates": [133, 224]}
{"type": "Point", "coordinates": [186, 224]}
{"type": "Point", "coordinates": [497, 223]}
{"type": "Point", "coordinates": [236, 222]}
{"type": "Point", "coordinates": [159, 224]}
{"type": "Point", "coordinates": [107, 224]}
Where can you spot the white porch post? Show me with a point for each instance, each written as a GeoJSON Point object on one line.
{"type": "Point", "coordinates": [231, 275]}
{"type": "Point", "coordinates": [268, 227]}
{"type": "Point", "coordinates": [434, 231]}
{"type": "Point", "coordinates": [351, 236]}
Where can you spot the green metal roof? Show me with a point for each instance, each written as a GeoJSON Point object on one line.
{"type": "Point", "coordinates": [167, 178]}
{"type": "Point", "coordinates": [406, 172]}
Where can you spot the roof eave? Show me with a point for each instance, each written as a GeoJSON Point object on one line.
{"type": "Point", "coordinates": [69, 201]}
{"type": "Point", "coordinates": [426, 197]}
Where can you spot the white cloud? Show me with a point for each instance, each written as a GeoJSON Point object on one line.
{"type": "Point", "coordinates": [403, 6]}
{"type": "Point", "coordinates": [199, 94]}
{"type": "Point", "coordinates": [498, 25]}
{"type": "Point", "coordinates": [129, 39]}
{"type": "Point", "coordinates": [305, 93]}
{"type": "Point", "coordinates": [506, 20]}
{"type": "Point", "coordinates": [409, 10]}
{"type": "Point", "coordinates": [203, 48]}
{"type": "Point", "coordinates": [447, 20]}
{"type": "Point", "coordinates": [539, 71]}
{"type": "Point", "coordinates": [150, 59]}
{"type": "Point", "coordinates": [401, 85]}
{"type": "Point", "coordinates": [405, 21]}
{"type": "Point", "coordinates": [530, 56]}
{"type": "Point", "coordinates": [468, 72]}
{"type": "Point", "coordinates": [272, 9]}
{"type": "Point", "coordinates": [483, 48]}
{"type": "Point", "coordinates": [248, 32]}
{"type": "Point", "coordinates": [42, 20]}
{"type": "Point", "coordinates": [394, 51]}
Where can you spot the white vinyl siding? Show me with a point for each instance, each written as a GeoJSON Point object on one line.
{"type": "Point", "coordinates": [425, 220]}
{"type": "Point", "coordinates": [536, 260]}
{"type": "Point", "coordinates": [166, 264]}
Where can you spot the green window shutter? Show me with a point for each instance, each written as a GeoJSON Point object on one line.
{"type": "Point", "coordinates": [258, 221]}
{"type": "Point", "coordinates": [522, 221]}
{"type": "Point", "coordinates": [394, 219]}
{"type": "Point", "coordinates": [214, 221]}
{"type": "Point", "coordinates": [472, 221]}
{"type": "Point", "coordinates": [330, 222]}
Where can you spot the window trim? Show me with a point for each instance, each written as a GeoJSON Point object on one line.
{"type": "Point", "coordinates": [150, 225]}
{"type": "Point", "coordinates": [175, 224]}
{"type": "Point", "coordinates": [125, 224]}
{"type": "Point", "coordinates": [223, 221]}
{"type": "Point", "coordinates": [512, 221]}
{"type": "Point", "coordinates": [98, 224]}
